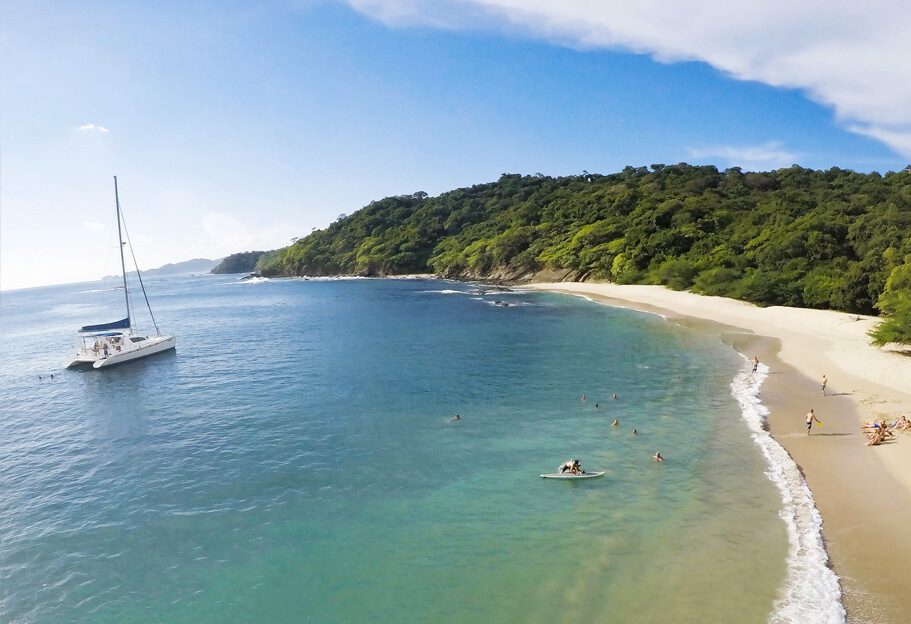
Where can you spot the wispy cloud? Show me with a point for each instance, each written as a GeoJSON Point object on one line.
{"type": "Point", "coordinates": [227, 234]}
{"type": "Point", "coordinates": [851, 56]}
{"type": "Point", "coordinates": [769, 155]}
{"type": "Point", "coordinates": [90, 127]}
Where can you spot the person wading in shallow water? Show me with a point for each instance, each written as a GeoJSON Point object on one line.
{"type": "Point", "coordinates": [811, 416]}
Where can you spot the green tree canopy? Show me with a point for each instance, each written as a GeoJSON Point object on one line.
{"type": "Point", "coordinates": [795, 236]}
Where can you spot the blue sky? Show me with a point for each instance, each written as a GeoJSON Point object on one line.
{"type": "Point", "coordinates": [236, 126]}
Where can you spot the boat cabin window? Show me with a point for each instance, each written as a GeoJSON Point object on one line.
{"type": "Point", "coordinates": [137, 339]}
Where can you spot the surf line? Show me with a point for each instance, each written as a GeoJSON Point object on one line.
{"type": "Point", "coordinates": [811, 593]}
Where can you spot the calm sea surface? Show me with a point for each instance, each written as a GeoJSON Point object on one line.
{"type": "Point", "coordinates": [294, 461]}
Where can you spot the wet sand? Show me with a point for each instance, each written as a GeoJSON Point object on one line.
{"type": "Point", "coordinates": [863, 493]}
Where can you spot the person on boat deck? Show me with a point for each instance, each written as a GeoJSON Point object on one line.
{"type": "Point", "coordinates": [573, 466]}
{"type": "Point", "coordinates": [104, 347]}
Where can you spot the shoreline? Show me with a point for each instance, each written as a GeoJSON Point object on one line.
{"type": "Point", "coordinates": [862, 493]}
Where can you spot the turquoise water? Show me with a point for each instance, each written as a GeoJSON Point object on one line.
{"type": "Point", "coordinates": [294, 461]}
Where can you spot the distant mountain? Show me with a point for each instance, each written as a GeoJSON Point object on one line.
{"type": "Point", "coordinates": [197, 265]}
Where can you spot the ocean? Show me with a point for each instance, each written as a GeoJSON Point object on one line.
{"type": "Point", "coordinates": [295, 461]}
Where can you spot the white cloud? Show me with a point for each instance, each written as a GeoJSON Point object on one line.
{"type": "Point", "coordinates": [851, 56]}
{"type": "Point", "coordinates": [90, 127]}
{"type": "Point", "coordinates": [770, 155]}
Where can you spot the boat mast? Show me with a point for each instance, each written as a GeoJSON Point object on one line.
{"type": "Point", "coordinates": [123, 266]}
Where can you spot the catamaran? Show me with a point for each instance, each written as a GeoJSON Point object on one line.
{"type": "Point", "coordinates": [107, 344]}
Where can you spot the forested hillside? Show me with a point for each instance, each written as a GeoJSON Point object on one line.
{"type": "Point", "coordinates": [821, 239]}
{"type": "Point", "coordinates": [242, 262]}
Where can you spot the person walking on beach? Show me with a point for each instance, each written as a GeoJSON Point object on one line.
{"type": "Point", "coordinates": [811, 416]}
{"type": "Point", "coordinates": [824, 382]}
{"type": "Point", "coordinates": [755, 363]}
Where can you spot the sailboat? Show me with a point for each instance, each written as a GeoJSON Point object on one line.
{"type": "Point", "coordinates": [107, 344]}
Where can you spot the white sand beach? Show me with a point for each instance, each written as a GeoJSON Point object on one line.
{"type": "Point", "coordinates": [862, 492]}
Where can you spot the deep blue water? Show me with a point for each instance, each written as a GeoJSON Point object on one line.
{"type": "Point", "coordinates": [294, 461]}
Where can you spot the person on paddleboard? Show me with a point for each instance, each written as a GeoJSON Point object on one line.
{"type": "Point", "coordinates": [573, 466]}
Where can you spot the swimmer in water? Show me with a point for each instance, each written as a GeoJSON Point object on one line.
{"type": "Point", "coordinates": [657, 456]}
{"type": "Point", "coordinates": [635, 432]}
{"type": "Point", "coordinates": [615, 423]}
{"type": "Point", "coordinates": [454, 418]}
{"type": "Point", "coordinates": [614, 396]}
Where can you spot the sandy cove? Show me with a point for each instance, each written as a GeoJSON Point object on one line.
{"type": "Point", "coordinates": [863, 493]}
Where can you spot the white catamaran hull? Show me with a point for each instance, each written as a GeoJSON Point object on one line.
{"type": "Point", "coordinates": [149, 346]}
{"type": "Point", "coordinates": [116, 342]}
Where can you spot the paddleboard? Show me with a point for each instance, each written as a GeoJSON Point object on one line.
{"type": "Point", "coordinates": [569, 475]}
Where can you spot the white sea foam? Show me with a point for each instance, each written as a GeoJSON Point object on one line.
{"type": "Point", "coordinates": [811, 593]}
{"type": "Point", "coordinates": [446, 291]}
{"type": "Point", "coordinates": [503, 304]}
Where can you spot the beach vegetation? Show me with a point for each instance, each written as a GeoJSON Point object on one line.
{"type": "Point", "coordinates": [895, 304]}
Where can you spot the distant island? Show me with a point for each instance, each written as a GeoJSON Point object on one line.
{"type": "Point", "coordinates": [833, 239]}
{"type": "Point", "coordinates": [197, 265]}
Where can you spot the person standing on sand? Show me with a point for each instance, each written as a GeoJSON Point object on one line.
{"type": "Point", "coordinates": [824, 382]}
{"type": "Point", "coordinates": [811, 416]}
{"type": "Point", "coordinates": [755, 363]}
